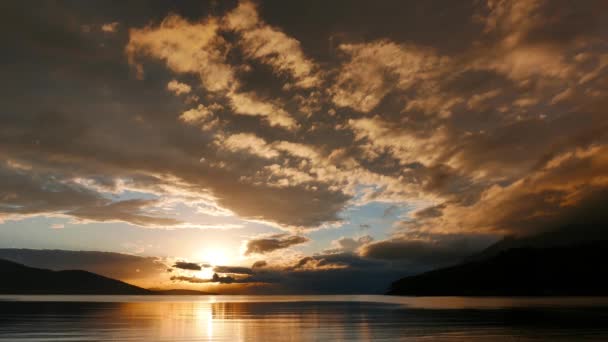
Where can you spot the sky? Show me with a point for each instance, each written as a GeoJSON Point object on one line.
{"type": "Point", "coordinates": [274, 147]}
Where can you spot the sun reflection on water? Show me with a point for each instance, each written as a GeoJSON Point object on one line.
{"type": "Point", "coordinates": [281, 318]}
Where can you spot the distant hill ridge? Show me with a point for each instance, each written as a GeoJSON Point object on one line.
{"type": "Point", "coordinates": [578, 270]}
{"type": "Point", "coordinates": [572, 234]}
{"type": "Point", "coordinates": [21, 279]}
{"type": "Point", "coordinates": [16, 278]}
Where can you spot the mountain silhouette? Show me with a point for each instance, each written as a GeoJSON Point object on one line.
{"type": "Point", "coordinates": [16, 278]}
{"type": "Point", "coordinates": [575, 269]}
{"type": "Point", "coordinates": [567, 235]}
{"type": "Point", "coordinates": [20, 279]}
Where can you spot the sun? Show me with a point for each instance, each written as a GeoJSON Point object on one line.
{"type": "Point", "coordinates": [216, 256]}
{"type": "Point", "coordinates": [213, 256]}
{"type": "Point", "coordinates": [206, 273]}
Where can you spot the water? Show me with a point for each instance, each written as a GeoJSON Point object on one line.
{"type": "Point", "coordinates": [300, 318]}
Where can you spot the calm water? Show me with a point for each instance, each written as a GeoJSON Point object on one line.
{"type": "Point", "coordinates": [300, 318]}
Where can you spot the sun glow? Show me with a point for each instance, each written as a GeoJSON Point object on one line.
{"type": "Point", "coordinates": [206, 273]}
{"type": "Point", "coordinates": [216, 256]}
{"type": "Point", "coordinates": [213, 256]}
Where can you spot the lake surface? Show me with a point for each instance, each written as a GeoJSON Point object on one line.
{"type": "Point", "coordinates": [300, 318]}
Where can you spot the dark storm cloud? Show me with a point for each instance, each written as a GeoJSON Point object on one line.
{"type": "Point", "coordinates": [232, 279]}
{"type": "Point", "coordinates": [184, 265]}
{"type": "Point", "coordinates": [232, 269]}
{"type": "Point", "coordinates": [335, 273]}
{"type": "Point", "coordinates": [273, 243]}
{"type": "Point", "coordinates": [194, 280]}
{"type": "Point", "coordinates": [302, 262]}
{"type": "Point", "coordinates": [218, 279]}
{"type": "Point", "coordinates": [259, 264]}
{"type": "Point", "coordinates": [431, 252]}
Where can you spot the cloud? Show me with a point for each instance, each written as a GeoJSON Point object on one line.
{"type": "Point", "coordinates": [545, 197]}
{"type": "Point", "coordinates": [198, 48]}
{"type": "Point", "coordinates": [313, 274]}
{"type": "Point", "coordinates": [28, 192]}
{"type": "Point", "coordinates": [478, 100]}
{"type": "Point", "coordinates": [327, 273]}
{"type": "Point", "coordinates": [429, 212]}
{"type": "Point", "coordinates": [185, 47]}
{"type": "Point", "coordinates": [379, 136]}
{"type": "Point", "coordinates": [178, 88]}
{"type": "Point", "coordinates": [241, 280]}
{"type": "Point", "coordinates": [564, 95]}
{"type": "Point", "coordinates": [217, 279]}
{"type": "Point", "coordinates": [273, 243]}
{"type": "Point", "coordinates": [110, 27]}
{"type": "Point", "coordinates": [232, 269]}
{"type": "Point", "coordinates": [498, 130]}
{"type": "Point", "coordinates": [317, 263]}
{"type": "Point", "coordinates": [34, 193]}
{"type": "Point", "coordinates": [271, 46]}
{"type": "Point", "coordinates": [250, 104]}
{"type": "Point", "coordinates": [346, 244]}
{"type": "Point", "coordinates": [194, 280]}
{"type": "Point", "coordinates": [248, 142]}
{"type": "Point", "coordinates": [259, 264]}
{"type": "Point", "coordinates": [427, 250]}
{"type": "Point", "coordinates": [131, 211]}
{"type": "Point", "coordinates": [199, 114]}
{"type": "Point", "coordinates": [188, 266]}
{"type": "Point", "coordinates": [377, 68]}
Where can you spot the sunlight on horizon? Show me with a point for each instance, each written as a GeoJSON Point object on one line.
{"type": "Point", "coordinates": [216, 256]}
